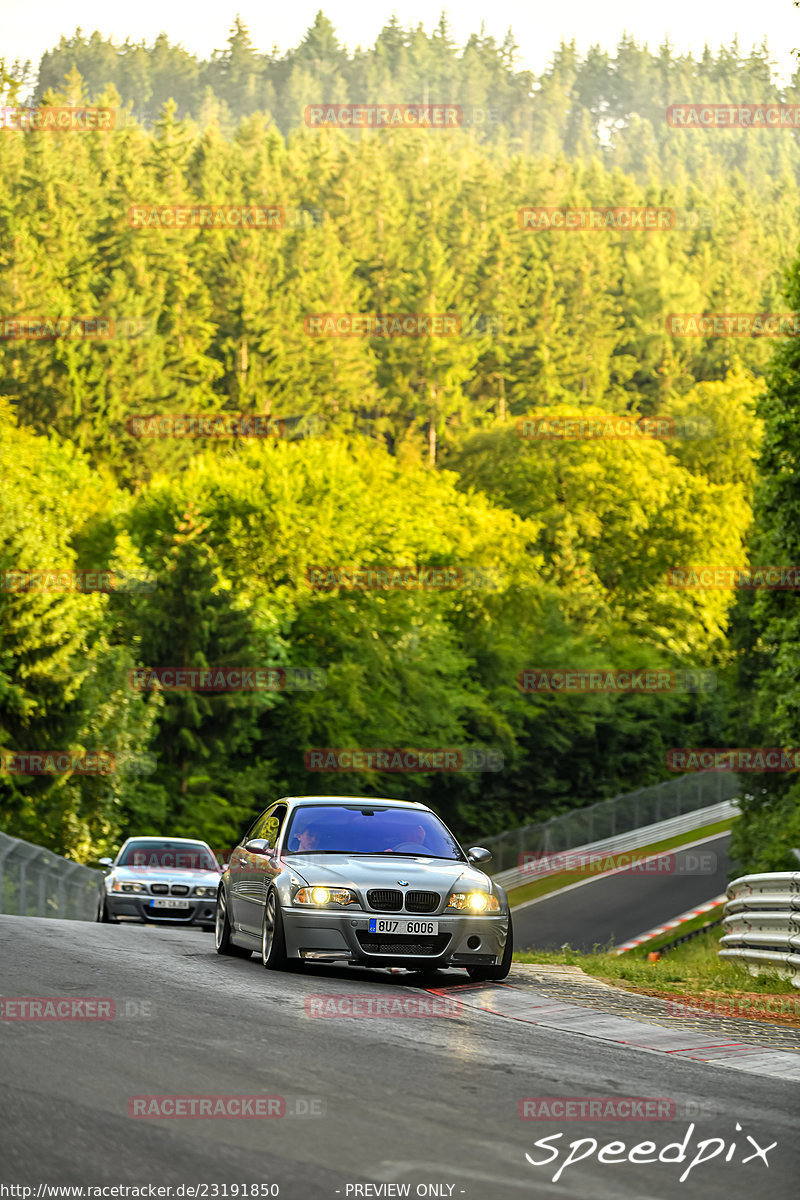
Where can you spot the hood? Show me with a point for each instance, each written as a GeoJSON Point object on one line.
{"type": "Point", "coordinates": [384, 871]}
{"type": "Point", "coordinates": [164, 875]}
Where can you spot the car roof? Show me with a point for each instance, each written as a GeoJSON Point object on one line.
{"type": "Point", "coordinates": [166, 838]}
{"type": "Point", "coordinates": [366, 801]}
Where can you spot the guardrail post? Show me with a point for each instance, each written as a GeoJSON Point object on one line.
{"type": "Point", "coordinates": [42, 906]}
{"type": "Point", "coordinates": [29, 860]}
{"type": "Point", "coordinates": [62, 884]}
{"type": "Point", "coordinates": [4, 853]}
{"type": "Point", "coordinates": [23, 870]}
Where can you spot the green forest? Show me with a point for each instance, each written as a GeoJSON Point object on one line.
{"type": "Point", "coordinates": [391, 451]}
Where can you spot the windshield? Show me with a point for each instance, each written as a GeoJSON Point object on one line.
{"type": "Point", "coordinates": [340, 829]}
{"type": "Point", "coordinates": [192, 857]}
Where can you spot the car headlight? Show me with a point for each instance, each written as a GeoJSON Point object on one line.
{"type": "Point", "coordinates": [321, 897]}
{"type": "Point", "coordinates": [472, 902]}
{"type": "Point", "coordinates": [117, 886]}
{"type": "Point", "coordinates": [205, 891]}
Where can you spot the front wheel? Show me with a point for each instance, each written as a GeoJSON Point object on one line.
{"type": "Point", "coordinates": [103, 915]}
{"type": "Point", "coordinates": [273, 939]}
{"type": "Point", "coordinates": [222, 931]}
{"type": "Point", "coordinates": [487, 974]}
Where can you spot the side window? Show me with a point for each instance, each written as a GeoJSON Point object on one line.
{"type": "Point", "coordinates": [268, 826]}
{"type": "Point", "coordinates": [250, 831]}
{"type": "Point", "coordinates": [272, 829]}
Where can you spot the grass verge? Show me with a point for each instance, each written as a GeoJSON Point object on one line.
{"type": "Point", "coordinates": [663, 939]}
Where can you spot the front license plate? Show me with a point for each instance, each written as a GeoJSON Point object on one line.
{"type": "Point", "coordinates": [169, 903]}
{"type": "Point", "coordinates": [391, 925]}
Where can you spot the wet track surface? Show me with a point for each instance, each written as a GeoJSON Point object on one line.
{"type": "Point", "coordinates": [417, 1102]}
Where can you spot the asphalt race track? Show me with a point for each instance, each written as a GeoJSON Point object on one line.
{"type": "Point", "coordinates": [626, 903]}
{"type": "Point", "coordinates": [400, 1101]}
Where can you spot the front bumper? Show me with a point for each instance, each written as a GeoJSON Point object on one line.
{"type": "Point", "coordinates": [200, 910]}
{"type": "Point", "coordinates": [326, 935]}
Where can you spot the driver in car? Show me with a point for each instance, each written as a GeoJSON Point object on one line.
{"type": "Point", "coordinates": [307, 839]}
{"type": "Point", "coordinates": [413, 841]}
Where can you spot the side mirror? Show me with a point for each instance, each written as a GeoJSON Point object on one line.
{"type": "Point", "coordinates": [479, 854]}
{"type": "Point", "coordinates": [258, 846]}
{"type": "Point", "coordinates": [106, 862]}
{"type": "Point", "coordinates": [224, 866]}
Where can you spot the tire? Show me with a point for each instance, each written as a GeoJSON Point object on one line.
{"type": "Point", "coordinates": [487, 974]}
{"type": "Point", "coordinates": [103, 915]}
{"type": "Point", "coordinates": [273, 938]}
{"type": "Point", "coordinates": [222, 931]}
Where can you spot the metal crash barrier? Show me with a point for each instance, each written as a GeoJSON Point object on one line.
{"type": "Point", "coordinates": [35, 882]}
{"type": "Point", "coordinates": [762, 923]}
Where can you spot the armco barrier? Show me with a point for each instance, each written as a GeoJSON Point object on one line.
{"type": "Point", "coordinates": [34, 882]}
{"type": "Point", "coordinates": [762, 923]}
{"type": "Point", "coordinates": [646, 835]}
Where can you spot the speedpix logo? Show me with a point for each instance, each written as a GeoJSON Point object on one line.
{"type": "Point", "coordinates": [616, 1153]}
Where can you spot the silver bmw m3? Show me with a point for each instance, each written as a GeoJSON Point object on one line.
{"type": "Point", "coordinates": [378, 883]}
{"type": "Point", "coordinates": [160, 879]}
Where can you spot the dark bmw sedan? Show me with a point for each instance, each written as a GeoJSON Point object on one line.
{"type": "Point", "coordinates": [376, 883]}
